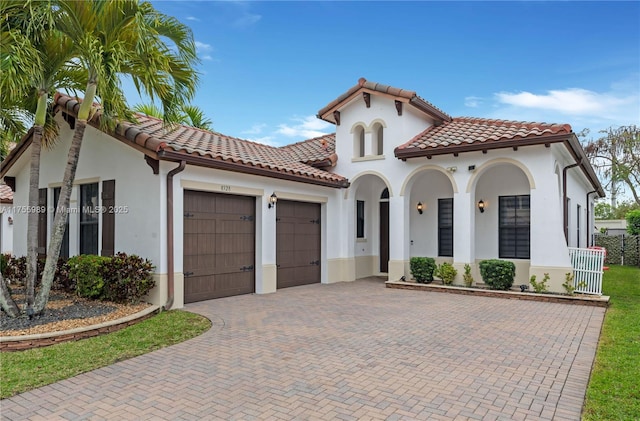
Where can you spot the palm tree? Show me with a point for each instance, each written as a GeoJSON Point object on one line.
{"type": "Point", "coordinates": [115, 38]}
{"type": "Point", "coordinates": [45, 55]}
{"type": "Point", "coordinates": [191, 115]}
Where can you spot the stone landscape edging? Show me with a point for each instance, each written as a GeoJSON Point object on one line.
{"type": "Point", "coordinates": [38, 340]}
{"type": "Point", "coordinates": [586, 300]}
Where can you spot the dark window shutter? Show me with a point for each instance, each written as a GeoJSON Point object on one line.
{"type": "Point", "coordinates": [108, 217]}
{"type": "Point", "coordinates": [42, 223]}
{"type": "Point", "coordinates": [445, 227]}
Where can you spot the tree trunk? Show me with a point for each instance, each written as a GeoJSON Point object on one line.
{"type": "Point", "coordinates": [32, 218]}
{"type": "Point", "coordinates": [59, 222]}
{"type": "Point", "coordinates": [6, 302]}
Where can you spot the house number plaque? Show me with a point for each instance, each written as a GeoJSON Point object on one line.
{"type": "Point", "coordinates": [225, 188]}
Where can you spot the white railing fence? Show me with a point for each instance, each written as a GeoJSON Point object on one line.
{"type": "Point", "coordinates": [588, 267]}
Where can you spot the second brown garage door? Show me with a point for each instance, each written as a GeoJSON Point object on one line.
{"type": "Point", "coordinates": [297, 243]}
{"type": "Point", "coordinates": [219, 245]}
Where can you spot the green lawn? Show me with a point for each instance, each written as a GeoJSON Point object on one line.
{"type": "Point", "coordinates": [614, 388]}
{"type": "Point", "coordinates": [25, 370]}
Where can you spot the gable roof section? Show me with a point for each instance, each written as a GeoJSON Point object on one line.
{"type": "Point", "coordinates": [209, 149]}
{"type": "Point", "coordinates": [468, 134]}
{"type": "Point", "coordinates": [463, 134]}
{"type": "Point", "coordinates": [398, 94]}
{"type": "Point", "coordinates": [319, 152]}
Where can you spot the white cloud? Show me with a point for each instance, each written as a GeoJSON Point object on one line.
{"type": "Point", "coordinates": [265, 140]}
{"type": "Point", "coordinates": [203, 50]}
{"type": "Point", "coordinates": [203, 47]}
{"type": "Point", "coordinates": [472, 101]}
{"type": "Point", "coordinates": [193, 18]}
{"type": "Point", "coordinates": [247, 19]}
{"type": "Point", "coordinates": [255, 129]}
{"type": "Point", "coordinates": [573, 102]}
{"type": "Point", "coordinates": [306, 127]}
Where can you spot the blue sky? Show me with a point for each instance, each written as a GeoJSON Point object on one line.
{"type": "Point", "coordinates": [268, 67]}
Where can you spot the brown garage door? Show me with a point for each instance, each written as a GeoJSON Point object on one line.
{"type": "Point", "coordinates": [219, 245]}
{"type": "Point", "coordinates": [297, 243]}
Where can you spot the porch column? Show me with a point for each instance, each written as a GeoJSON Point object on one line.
{"type": "Point", "coordinates": [266, 223]}
{"type": "Point", "coordinates": [399, 238]}
{"type": "Point", "coordinates": [464, 226]}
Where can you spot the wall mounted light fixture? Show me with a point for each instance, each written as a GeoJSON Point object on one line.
{"type": "Point", "coordinates": [481, 206]}
{"type": "Point", "coordinates": [10, 220]}
{"type": "Point", "coordinates": [420, 207]}
{"type": "Point", "coordinates": [273, 199]}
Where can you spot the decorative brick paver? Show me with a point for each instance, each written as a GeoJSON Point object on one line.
{"type": "Point", "coordinates": [347, 351]}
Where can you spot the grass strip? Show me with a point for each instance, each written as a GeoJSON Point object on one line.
{"type": "Point", "coordinates": [21, 371]}
{"type": "Point", "coordinates": [614, 388]}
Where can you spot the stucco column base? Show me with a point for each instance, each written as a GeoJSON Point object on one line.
{"type": "Point", "coordinates": [158, 295]}
{"type": "Point", "coordinates": [557, 276]}
{"type": "Point", "coordinates": [269, 282]}
{"type": "Point", "coordinates": [341, 270]}
{"type": "Point", "coordinates": [398, 269]}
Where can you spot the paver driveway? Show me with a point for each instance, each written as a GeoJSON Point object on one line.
{"type": "Point", "coordinates": [347, 351]}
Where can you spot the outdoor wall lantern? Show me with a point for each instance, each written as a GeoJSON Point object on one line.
{"type": "Point", "coordinates": [273, 199]}
{"type": "Point", "coordinates": [481, 206]}
{"type": "Point", "coordinates": [10, 220]}
{"type": "Point", "coordinates": [420, 207]}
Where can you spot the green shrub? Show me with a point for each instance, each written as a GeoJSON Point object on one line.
{"type": "Point", "coordinates": [633, 222]}
{"type": "Point", "coordinates": [86, 270]}
{"type": "Point", "coordinates": [498, 274]}
{"type": "Point", "coordinates": [127, 278]}
{"type": "Point", "coordinates": [568, 283]}
{"type": "Point", "coordinates": [539, 286]}
{"type": "Point", "coordinates": [4, 262]}
{"type": "Point", "coordinates": [446, 272]}
{"type": "Point", "coordinates": [467, 277]}
{"type": "Point", "coordinates": [422, 269]}
{"type": "Point", "coordinates": [62, 279]}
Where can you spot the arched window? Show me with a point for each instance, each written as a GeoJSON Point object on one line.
{"type": "Point", "coordinates": [384, 194]}
{"type": "Point", "coordinates": [378, 139]}
{"type": "Point", "coordinates": [358, 142]}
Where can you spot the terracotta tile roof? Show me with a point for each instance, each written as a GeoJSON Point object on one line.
{"type": "Point", "coordinates": [236, 154]}
{"type": "Point", "coordinates": [365, 85]}
{"type": "Point", "coordinates": [477, 133]}
{"type": "Point", "coordinates": [319, 152]}
{"type": "Point", "coordinates": [6, 194]}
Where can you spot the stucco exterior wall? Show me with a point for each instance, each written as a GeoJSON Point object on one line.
{"type": "Point", "coordinates": [137, 194]}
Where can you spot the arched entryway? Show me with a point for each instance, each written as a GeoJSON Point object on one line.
{"type": "Point", "coordinates": [370, 193]}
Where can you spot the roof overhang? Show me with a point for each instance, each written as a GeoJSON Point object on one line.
{"type": "Point", "coordinates": [568, 139]}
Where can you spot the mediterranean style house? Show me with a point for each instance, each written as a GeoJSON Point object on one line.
{"type": "Point", "coordinates": [221, 216]}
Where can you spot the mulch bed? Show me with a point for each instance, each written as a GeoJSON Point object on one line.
{"type": "Point", "coordinates": [64, 311]}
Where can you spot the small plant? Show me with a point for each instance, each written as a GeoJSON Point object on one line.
{"type": "Point", "coordinates": [446, 272]}
{"type": "Point", "coordinates": [539, 286]}
{"type": "Point", "coordinates": [498, 274]}
{"type": "Point", "coordinates": [422, 269]}
{"type": "Point", "coordinates": [633, 222]}
{"type": "Point", "coordinates": [86, 270]}
{"type": "Point", "coordinates": [128, 278]}
{"type": "Point", "coordinates": [568, 283]}
{"type": "Point", "coordinates": [467, 277]}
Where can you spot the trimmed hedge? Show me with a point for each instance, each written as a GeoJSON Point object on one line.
{"type": "Point", "coordinates": [422, 269]}
{"type": "Point", "coordinates": [498, 274]}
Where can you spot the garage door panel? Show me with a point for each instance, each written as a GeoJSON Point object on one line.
{"type": "Point", "coordinates": [219, 245]}
{"type": "Point", "coordinates": [297, 243]}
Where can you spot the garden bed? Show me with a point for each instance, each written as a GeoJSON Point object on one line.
{"type": "Point", "coordinates": [579, 299]}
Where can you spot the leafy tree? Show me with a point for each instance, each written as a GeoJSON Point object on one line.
{"type": "Point", "coordinates": [604, 210]}
{"type": "Point", "coordinates": [36, 63]}
{"type": "Point", "coordinates": [633, 222]}
{"type": "Point", "coordinates": [616, 156]}
{"type": "Point", "coordinates": [116, 38]}
{"type": "Point", "coordinates": [190, 115]}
